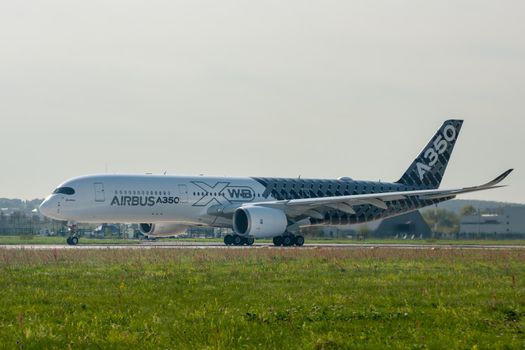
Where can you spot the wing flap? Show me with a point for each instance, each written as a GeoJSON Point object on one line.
{"type": "Point", "coordinates": [376, 202]}
{"type": "Point", "coordinates": [344, 207]}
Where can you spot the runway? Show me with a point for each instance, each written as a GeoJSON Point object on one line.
{"type": "Point", "coordinates": [216, 245]}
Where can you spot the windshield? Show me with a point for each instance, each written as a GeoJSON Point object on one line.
{"type": "Point", "coordinates": [64, 190]}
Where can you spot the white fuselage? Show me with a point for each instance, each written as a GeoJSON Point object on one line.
{"type": "Point", "coordinates": [149, 198]}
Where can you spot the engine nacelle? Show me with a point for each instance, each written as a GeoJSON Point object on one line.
{"type": "Point", "coordinates": [259, 221]}
{"type": "Point", "coordinates": [162, 229]}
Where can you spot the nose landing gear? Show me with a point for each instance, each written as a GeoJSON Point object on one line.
{"type": "Point", "coordinates": [73, 238]}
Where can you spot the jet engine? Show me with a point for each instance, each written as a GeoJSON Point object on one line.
{"type": "Point", "coordinates": [259, 221]}
{"type": "Point", "coordinates": [160, 230]}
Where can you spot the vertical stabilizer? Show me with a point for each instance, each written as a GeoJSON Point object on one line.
{"type": "Point", "coordinates": [428, 168]}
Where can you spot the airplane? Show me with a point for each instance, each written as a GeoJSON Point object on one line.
{"type": "Point", "coordinates": [256, 207]}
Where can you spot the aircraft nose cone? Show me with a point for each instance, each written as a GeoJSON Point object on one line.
{"type": "Point", "coordinates": [45, 208]}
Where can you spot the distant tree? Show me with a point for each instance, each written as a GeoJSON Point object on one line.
{"type": "Point", "coordinates": [312, 231]}
{"type": "Point", "coordinates": [35, 219]}
{"type": "Point", "coordinates": [11, 203]}
{"type": "Point", "coordinates": [363, 232]}
{"type": "Point", "coordinates": [442, 220]}
{"type": "Point", "coordinates": [467, 210]}
{"type": "Point", "coordinates": [33, 204]}
{"type": "Point", "coordinates": [496, 210]}
{"type": "Point", "coordinates": [17, 218]}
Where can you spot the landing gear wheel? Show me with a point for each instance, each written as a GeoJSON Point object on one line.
{"type": "Point", "coordinates": [250, 241]}
{"type": "Point", "coordinates": [278, 240]}
{"type": "Point", "coordinates": [72, 229]}
{"type": "Point", "coordinates": [228, 239]}
{"type": "Point", "coordinates": [299, 240]}
{"type": "Point", "coordinates": [72, 240]}
{"type": "Point", "coordinates": [237, 240]}
{"type": "Point", "coordinates": [288, 241]}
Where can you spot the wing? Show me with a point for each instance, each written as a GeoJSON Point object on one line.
{"type": "Point", "coordinates": [308, 206]}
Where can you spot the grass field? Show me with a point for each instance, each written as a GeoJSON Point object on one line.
{"type": "Point", "coordinates": [262, 298]}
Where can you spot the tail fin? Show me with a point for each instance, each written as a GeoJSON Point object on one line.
{"type": "Point", "coordinates": [428, 168]}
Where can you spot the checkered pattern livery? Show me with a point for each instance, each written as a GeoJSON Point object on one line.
{"type": "Point", "coordinates": [425, 172]}
{"type": "Point", "coordinates": [286, 189]}
{"type": "Point", "coordinates": [418, 175]}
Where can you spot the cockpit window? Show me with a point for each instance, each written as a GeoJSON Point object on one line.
{"type": "Point", "coordinates": [64, 190]}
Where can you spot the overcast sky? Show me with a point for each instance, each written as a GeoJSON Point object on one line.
{"type": "Point", "coordinates": [259, 88]}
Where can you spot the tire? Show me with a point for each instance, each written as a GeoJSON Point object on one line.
{"type": "Point", "coordinates": [288, 241]}
{"type": "Point", "coordinates": [250, 241]}
{"type": "Point", "coordinates": [74, 240]}
{"type": "Point", "coordinates": [299, 240]}
{"type": "Point", "coordinates": [228, 239]}
{"type": "Point", "coordinates": [237, 240]}
{"type": "Point", "coordinates": [278, 240]}
{"type": "Point", "coordinates": [68, 240]}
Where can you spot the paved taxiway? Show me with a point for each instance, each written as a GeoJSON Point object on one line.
{"type": "Point", "coordinates": [215, 245]}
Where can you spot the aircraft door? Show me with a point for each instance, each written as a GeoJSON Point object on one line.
{"type": "Point", "coordinates": [100, 196]}
{"type": "Point", "coordinates": [183, 193]}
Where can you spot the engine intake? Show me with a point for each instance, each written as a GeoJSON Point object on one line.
{"type": "Point", "coordinates": [259, 221]}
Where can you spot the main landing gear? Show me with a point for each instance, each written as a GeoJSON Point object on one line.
{"type": "Point", "coordinates": [238, 240]}
{"type": "Point", "coordinates": [288, 240]}
{"type": "Point", "coordinates": [73, 238]}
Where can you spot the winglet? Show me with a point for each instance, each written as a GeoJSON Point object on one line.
{"type": "Point", "coordinates": [498, 179]}
{"type": "Point", "coordinates": [487, 186]}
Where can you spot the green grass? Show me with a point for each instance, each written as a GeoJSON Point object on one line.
{"type": "Point", "coordinates": [318, 298]}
